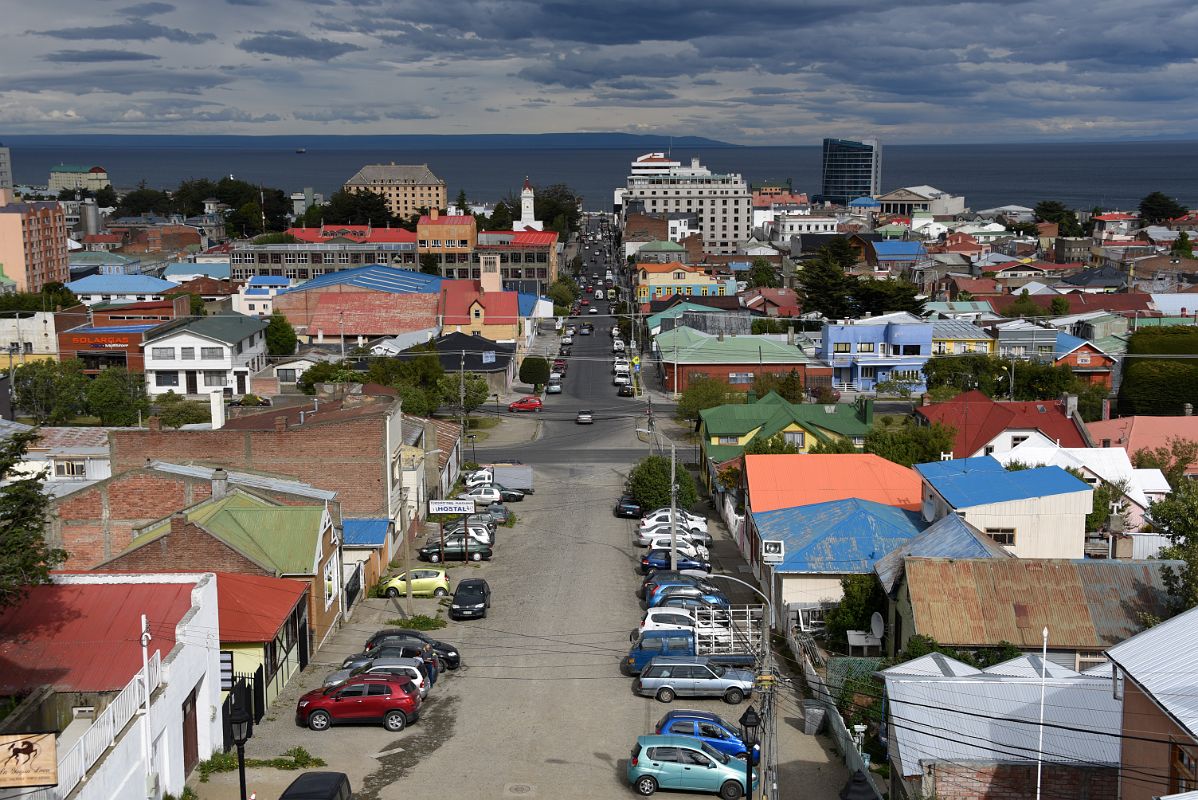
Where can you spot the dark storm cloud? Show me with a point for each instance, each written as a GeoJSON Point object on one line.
{"type": "Point", "coordinates": [115, 81]}
{"type": "Point", "coordinates": [145, 9]}
{"type": "Point", "coordinates": [96, 56]}
{"type": "Point", "coordinates": [295, 45]}
{"type": "Point", "coordinates": [363, 113]}
{"type": "Point", "coordinates": [131, 30]}
{"type": "Point", "coordinates": [247, 2]}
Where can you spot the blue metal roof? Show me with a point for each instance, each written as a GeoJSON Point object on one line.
{"type": "Point", "coordinates": [115, 328]}
{"type": "Point", "coordinates": [897, 248]}
{"type": "Point", "coordinates": [377, 277]}
{"type": "Point", "coordinates": [967, 482]}
{"type": "Point", "coordinates": [838, 537]}
{"type": "Point", "coordinates": [269, 280]}
{"type": "Point", "coordinates": [739, 266]}
{"type": "Point", "coordinates": [213, 269]}
{"type": "Point", "coordinates": [527, 302]}
{"type": "Point", "coordinates": [260, 291]}
{"type": "Point", "coordinates": [365, 532]}
{"type": "Point", "coordinates": [864, 202]}
{"type": "Point", "coordinates": [120, 284]}
{"type": "Point", "coordinates": [1066, 344]}
{"type": "Point", "coordinates": [949, 537]}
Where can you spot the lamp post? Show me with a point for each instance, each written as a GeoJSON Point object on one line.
{"type": "Point", "coordinates": [240, 721]}
{"type": "Point", "coordinates": [473, 450]}
{"type": "Point", "coordinates": [750, 721]}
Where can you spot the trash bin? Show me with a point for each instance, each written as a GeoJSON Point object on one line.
{"type": "Point", "coordinates": [813, 716]}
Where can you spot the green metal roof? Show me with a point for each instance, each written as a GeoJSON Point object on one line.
{"type": "Point", "coordinates": [661, 247]}
{"type": "Point", "coordinates": [283, 538]}
{"type": "Point", "coordinates": [228, 329]}
{"type": "Point", "coordinates": [772, 414]}
{"type": "Point", "coordinates": [98, 257]}
{"type": "Point", "coordinates": [685, 345]}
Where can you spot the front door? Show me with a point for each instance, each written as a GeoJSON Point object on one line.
{"type": "Point", "coordinates": [351, 702]}
{"type": "Point", "coordinates": [191, 741]}
{"type": "Point", "coordinates": [192, 382]}
{"type": "Point", "coordinates": [241, 383]}
{"type": "Point", "coordinates": [698, 771]}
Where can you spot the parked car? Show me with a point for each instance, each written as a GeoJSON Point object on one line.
{"type": "Point", "coordinates": [319, 786]}
{"type": "Point", "coordinates": [660, 559]}
{"type": "Point", "coordinates": [482, 494]}
{"type": "Point", "coordinates": [684, 544]}
{"type": "Point", "coordinates": [391, 700]}
{"type": "Point", "coordinates": [555, 376]}
{"type": "Point", "coordinates": [621, 379]}
{"type": "Point", "coordinates": [707, 623]}
{"type": "Point", "coordinates": [411, 668]}
{"type": "Point", "coordinates": [564, 350]}
{"type": "Point", "coordinates": [696, 604]}
{"type": "Point", "coordinates": [692, 522]}
{"type": "Point", "coordinates": [676, 762]}
{"type": "Point", "coordinates": [568, 339]}
{"type": "Point", "coordinates": [628, 507]}
{"type": "Point", "coordinates": [455, 549]}
{"type": "Point", "coordinates": [586, 330]}
{"type": "Point", "coordinates": [447, 653]}
{"type": "Point", "coordinates": [710, 728]}
{"type": "Point", "coordinates": [426, 582]}
{"type": "Point", "coordinates": [499, 513]}
{"type": "Point", "coordinates": [709, 597]}
{"type": "Point", "coordinates": [647, 533]}
{"type": "Point", "coordinates": [553, 387]}
{"type": "Point", "coordinates": [475, 520]}
{"type": "Point", "coordinates": [667, 677]}
{"type": "Point", "coordinates": [726, 650]}
{"type": "Point", "coordinates": [585, 301]}
{"type": "Point", "coordinates": [479, 533]}
{"type": "Point", "coordinates": [584, 417]}
{"type": "Point", "coordinates": [529, 403]}
{"type": "Point", "coordinates": [410, 650]}
{"type": "Point", "coordinates": [626, 391]}
{"type": "Point", "coordinates": [662, 577]}
{"type": "Point", "coordinates": [472, 599]}
{"type": "Point", "coordinates": [395, 637]}
{"type": "Point", "coordinates": [507, 495]}
{"type": "Point", "coordinates": [480, 477]}
{"type": "Point", "coordinates": [593, 310]}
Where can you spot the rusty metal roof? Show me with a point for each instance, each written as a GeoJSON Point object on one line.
{"type": "Point", "coordinates": [1086, 604]}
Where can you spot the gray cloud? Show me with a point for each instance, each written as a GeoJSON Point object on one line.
{"type": "Point", "coordinates": [131, 30]}
{"type": "Point", "coordinates": [96, 56]}
{"type": "Point", "coordinates": [364, 113]}
{"type": "Point", "coordinates": [146, 9]}
{"type": "Point", "coordinates": [115, 81]}
{"type": "Point", "coordinates": [295, 45]}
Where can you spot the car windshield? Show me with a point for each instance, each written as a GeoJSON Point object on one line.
{"type": "Point", "coordinates": [716, 754]}
{"type": "Point", "coordinates": [718, 669]}
{"type": "Point", "coordinates": [470, 593]}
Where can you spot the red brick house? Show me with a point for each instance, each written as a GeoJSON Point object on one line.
{"type": "Point", "coordinates": [1085, 360]}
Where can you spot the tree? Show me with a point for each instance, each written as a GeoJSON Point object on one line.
{"type": "Point", "coordinates": [500, 219]}
{"type": "Point", "coordinates": [1173, 459]}
{"type": "Point", "coordinates": [477, 391]}
{"type": "Point", "coordinates": [762, 274]}
{"type": "Point", "coordinates": [1024, 306]}
{"type": "Point", "coordinates": [25, 558]}
{"type": "Point", "coordinates": [52, 392]}
{"type": "Point", "coordinates": [1064, 217]}
{"type": "Point", "coordinates": [909, 444]}
{"type": "Point", "coordinates": [788, 385]}
{"type": "Point", "coordinates": [824, 287]}
{"type": "Point", "coordinates": [351, 208]}
{"type": "Point", "coordinates": [863, 596]}
{"type": "Point", "coordinates": [534, 371]}
{"type": "Point", "coordinates": [773, 445]}
{"type": "Point", "coordinates": [1059, 306]}
{"type": "Point", "coordinates": [841, 252]}
{"type": "Point", "coordinates": [1160, 386]}
{"type": "Point", "coordinates": [1182, 246]}
{"type": "Point", "coordinates": [896, 387]}
{"type": "Point", "coordinates": [175, 411]}
{"type": "Point", "coordinates": [833, 445]}
{"type": "Point", "coordinates": [563, 291]}
{"type": "Point", "coordinates": [461, 203]}
{"type": "Point", "coordinates": [703, 393]}
{"type": "Point", "coordinates": [1176, 516]}
{"type": "Point", "coordinates": [557, 206]}
{"type": "Point", "coordinates": [1158, 207]}
{"type": "Point", "coordinates": [649, 483]}
{"type": "Point", "coordinates": [429, 264]}
{"type": "Point", "coordinates": [873, 296]}
{"type": "Point", "coordinates": [327, 372]}
{"type": "Point", "coordinates": [144, 201]}
{"type": "Point", "coordinates": [280, 336]}
{"type": "Point", "coordinates": [52, 297]}
{"type": "Point", "coordinates": [118, 397]}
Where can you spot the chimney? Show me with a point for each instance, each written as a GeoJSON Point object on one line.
{"type": "Point", "coordinates": [280, 424]}
{"type": "Point", "coordinates": [790, 336]}
{"type": "Point", "coordinates": [220, 483]}
{"type": "Point", "coordinates": [433, 213]}
{"type": "Point", "coordinates": [154, 424]}
{"type": "Point", "coordinates": [1187, 409]}
{"type": "Point", "coordinates": [1069, 401]}
{"type": "Point", "coordinates": [178, 522]}
{"type": "Point", "coordinates": [216, 401]}
{"type": "Point", "coordinates": [925, 399]}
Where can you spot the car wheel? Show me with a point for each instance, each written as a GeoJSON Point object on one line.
{"type": "Point", "coordinates": [733, 696]}
{"type": "Point", "coordinates": [434, 558]}
{"type": "Point", "coordinates": [645, 785]}
{"type": "Point", "coordinates": [730, 790]}
{"type": "Point", "coordinates": [665, 695]}
{"type": "Point", "coordinates": [476, 556]}
{"type": "Point", "coordinates": [392, 591]}
{"type": "Point", "coordinates": [319, 721]}
{"type": "Point", "coordinates": [395, 721]}
{"type": "Point", "coordinates": [440, 593]}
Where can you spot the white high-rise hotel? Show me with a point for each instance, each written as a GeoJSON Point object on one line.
{"type": "Point", "coordinates": [722, 203]}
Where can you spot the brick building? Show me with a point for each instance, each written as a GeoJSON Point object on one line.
{"type": "Point", "coordinates": [33, 243]}
{"type": "Point", "coordinates": [407, 189]}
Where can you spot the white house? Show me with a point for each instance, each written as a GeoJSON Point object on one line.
{"type": "Point", "coordinates": [200, 355]}
{"type": "Point", "coordinates": [256, 298]}
{"type": "Point", "coordinates": [93, 706]}
{"type": "Point", "coordinates": [1034, 513]}
{"type": "Point", "coordinates": [69, 457]}
{"type": "Point", "coordinates": [97, 289]}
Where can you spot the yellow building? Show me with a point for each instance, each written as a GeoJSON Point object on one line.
{"type": "Point", "coordinates": [408, 189]}
{"type": "Point", "coordinates": [957, 337]}
{"type": "Point", "coordinates": [656, 281]}
{"type": "Point", "coordinates": [71, 176]}
{"type": "Point", "coordinates": [481, 308]}
{"type": "Point", "coordinates": [448, 238]}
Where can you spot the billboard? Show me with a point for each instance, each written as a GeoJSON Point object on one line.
{"type": "Point", "coordinates": [28, 759]}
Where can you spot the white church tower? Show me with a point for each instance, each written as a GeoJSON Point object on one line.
{"type": "Point", "coordinates": [528, 217]}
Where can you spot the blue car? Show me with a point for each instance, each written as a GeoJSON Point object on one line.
{"type": "Point", "coordinates": [706, 727]}
{"type": "Point", "coordinates": [710, 598]}
{"type": "Point", "coordinates": [658, 560]}
{"type": "Point", "coordinates": [679, 762]}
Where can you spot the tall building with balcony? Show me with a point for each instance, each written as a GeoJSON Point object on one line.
{"type": "Point", "coordinates": [33, 243]}
{"type": "Point", "coordinates": [851, 169]}
{"type": "Point", "coordinates": [202, 355]}
{"type": "Point", "coordinates": [721, 203]}
{"type": "Point", "coordinates": [408, 189]}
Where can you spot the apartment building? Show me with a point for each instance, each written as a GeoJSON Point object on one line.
{"type": "Point", "coordinates": [5, 167]}
{"type": "Point", "coordinates": [851, 170]}
{"type": "Point", "coordinates": [322, 250]}
{"type": "Point", "coordinates": [33, 243]}
{"type": "Point", "coordinates": [722, 203]}
{"type": "Point", "coordinates": [73, 176]}
{"type": "Point", "coordinates": [408, 189]}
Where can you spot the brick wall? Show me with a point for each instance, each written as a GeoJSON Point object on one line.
{"type": "Point", "coordinates": [973, 781]}
{"type": "Point", "coordinates": [720, 372]}
{"type": "Point", "coordinates": [186, 547]}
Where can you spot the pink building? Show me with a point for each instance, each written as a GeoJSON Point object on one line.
{"type": "Point", "coordinates": [33, 242]}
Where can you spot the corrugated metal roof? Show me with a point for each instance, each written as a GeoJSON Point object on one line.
{"type": "Point", "coordinates": [840, 537]}
{"type": "Point", "coordinates": [992, 719]}
{"type": "Point", "coordinates": [227, 328]}
{"type": "Point", "coordinates": [936, 665]}
{"type": "Point", "coordinates": [685, 345]}
{"type": "Point", "coordinates": [1085, 604]}
{"type": "Point", "coordinates": [254, 607]}
{"type": "Point", "coordinates": [120, 284]}
{"type": "Point", "coordinates": [968, 482]}
{"type": "Point", "coordinates": [1029, 665]}
{"type": "Point", "coordinates": [1161, 660]}
{"type": "Point", "coordinates": [785, 481]}
{"type": "Point", "coordinates": [957, 329]}
{"type": "Point", "coordinates": [248, 480]}
{"type": "Point", "coordinates": [949, 537]}
{"type": "Point", "coordinates": [377, 277]}
{"type": "Point", "coordinates": [365, 532]}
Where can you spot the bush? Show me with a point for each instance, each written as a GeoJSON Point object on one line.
{"type": "Point", "coordinates": [419, 622]}
{"type": "Point", "coordinates": [649, 483]}
{"type": "Point", "coordinates": [293, 759]}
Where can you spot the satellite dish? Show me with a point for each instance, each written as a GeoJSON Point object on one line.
{"type": "Point", "coordinates": [877, 625]}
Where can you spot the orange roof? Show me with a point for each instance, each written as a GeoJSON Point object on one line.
{"type": "Point", "coordinates": [254, 607]}
{"type": "Point", "coordinates": [356, 233]}
{"type": "Point", "coordinates": [448, 219]}
{"type": "Point", "coordinates": [786, 481]}
{"type": "Point", "coordinates": [1144, 432]}
{"type": "Point", "coordinates": [669, 266]}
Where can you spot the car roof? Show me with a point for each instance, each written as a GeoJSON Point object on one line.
{"type": "Point", "coordinates": [665, 740]}
{"type": "Point", "coordinates": [693, 713]}
{"type": "Point", "coordinates": [394, 661]}
{"type": "Point", "coordinates": [467, 582]}
{"type": "Point", "coordinates": [314, 785]}
{"type": "Point", "coordinates": [679, 660]}
{"type": "Point", "coordinates": [370, 678]}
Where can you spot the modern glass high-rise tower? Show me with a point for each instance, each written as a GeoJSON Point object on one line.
{"type": "Point", "coordinates": [852, 169]}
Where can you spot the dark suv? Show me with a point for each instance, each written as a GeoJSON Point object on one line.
{"type": "Point", "coordinates": [472, 599]}
{"type": "Point", "coordinates": [391, 700]}
{"type": "Point", "coordinates": [445, 651]}
{"type": "Point", "coordinates": [628, 507]}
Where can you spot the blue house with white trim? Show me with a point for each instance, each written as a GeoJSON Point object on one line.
{"type": "Point", "coordinates": [865, 352]}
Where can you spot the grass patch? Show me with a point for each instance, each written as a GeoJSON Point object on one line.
{"type": "Point", "coordinates": [293, 759]}
{"type": "Point", "coordinates": [419, 622]}
{"type": "Point", "coordinates": [511, 520]}
{"type": "Point", "coordinates": [481, 423]}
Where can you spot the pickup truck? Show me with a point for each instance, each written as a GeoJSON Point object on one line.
{"type": "Point", "coordinates": [735, 651]}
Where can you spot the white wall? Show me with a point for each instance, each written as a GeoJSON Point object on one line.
{"type": "Point", "coordinates": [249, 361]}
{"type": "Point", "coordinates": [95, 299]}
{"type": "Point", "coordinates": [1003, 443]}
{"type": "Point", "coordinates": [1045, 527]}
{"type": "Point", "coordinates": [810, 590]}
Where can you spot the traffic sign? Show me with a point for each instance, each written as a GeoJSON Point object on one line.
{"type": "Point", "coordinates": [636, 360]}
{"type": "Point", "coordinates": [451, 506]}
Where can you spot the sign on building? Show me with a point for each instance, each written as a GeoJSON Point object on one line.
{"type": "Point", "coordinates": [773, 551]}
{"type": "Point", "coordinates": [28, 759]}
{"type": "Point", "coordinates": [451, 506]}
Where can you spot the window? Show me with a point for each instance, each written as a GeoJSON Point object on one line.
{"type": "Point", "coordinates": [166, 379]}
{"type": "Point", "coordinates": [214, 377]}
{"type": "Point", "coordinates": [1183, 768]}
{"type": "Point", "coordinates": [797, 438]}
{"type": "Point", "coordinates": [211, 352]}
{"type": "Point", "coordinates": [356, 690]}
{"type": "Point", "coordinates": [188, 353]}
{"type": "Point", "coordinates": [740, 377]}
{"type": "Point", "coordinates": [865, 347]}
{"type": "Point", "coordinates": [729, 440]}
{"type": "Point", "coordinates": [1017, 440]}
{"type": "Point", "coordinates": [162, 353]}
{"type": "Point", "coordinates": [1003, 536]}
{"type": "Point", "coordinates": [909, 349]}
{"type": "Point", "coordinates": [869, 373]}
{"type": "Point", "coordinates": [841, 347]}
{"type": "Point", "coordinates": [988, 450]}
{"type": "Point", "coordinates": [69, 469]}
{"type": "Point", "coordinates": [669, 754]}
{"type": "Point", "coordinates": [1083, 359]}
{"type": "Point", "coordinates": [332, 586]}
{"type": "Point", "coordinates": [285, 375]}
{"type": "Point", "coordinates": [1086, 660]}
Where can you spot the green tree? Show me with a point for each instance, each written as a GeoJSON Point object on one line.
{"type": "Point", "coordinates": [824, 287]}
{"type": "Point", "coordinates": [762, 274]}
{"type": "Point", "coordinates": [118, 398]}
{"type": "Point", "coordinates": [246, 220]}
{"type": "Point", "coordinates": [841, 252]}
{"type": "Point", "coordinates": [563, 291]}
{"type": "Point", "coordinates": [557, 205]}
{"type": "Point", "coordinates": [461, 203]}
{"type": "Point", "coordinates": [477, 391]}
{"type": "Point", "coordinates": [909, 444]}
{"type": "Point", "coordinates": [833, 445]}
{"type": "Point", "coordinates": [534, 371]}
{"type": "Point", "coordinates": [144, 201]}
{"type": "Point", "coordinates": [863, 596]}
{"type": "Point", "coordinates": [703, 393]}
{"type": "Point", "coordinates": [1182, 246]}
{"type": "Point", "coordinates": [52, 392]}
{"type": "Point", "coordinates": [48, 299]}
{"type": "Point", "coordinates": [1160, 386]}
{"type": "Point", "coordinates": [873, 296]}
{"type": "Point", "coordinates": [280, 336]}
{"type": "Point", "coordinates": [327, 372]}
{"type": "Point", "coordinates": [500, 219]}
{"type": "Point", "coordinates": [649, 483]}
{"type": "Point", "coordinates": [430, 264]}
{"type": "Point", "coordinates": [1176, 516]}
{"type": "Point", "coordinates": [1058, 212]}
{"type": "Point", "coordinates": [772, 445]}
{"type": "Point", "coordinates": [1024, 306]}
{"type": "Point", "coordinates": [175, 411]}
{"type": "Point", "coordinates": [351, 208]}
{"type": "Point", "coordinates": [418, 400]}
{"type": "Point", "coordinates": [788, 385]}
{"type": "Point", "coordinates": [25, 558]}
{"type": "Point", "coordinates": [1158, 207]}
{"type": "Point", "coordinates": [1173, 459]}
{"type": "Point", "coordinates": [896, 387]}
{"type": "Point", "coordinates": [1059, 306]}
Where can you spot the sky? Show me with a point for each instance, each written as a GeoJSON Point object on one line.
{"type": "Point", "coordinates": [766, 72]}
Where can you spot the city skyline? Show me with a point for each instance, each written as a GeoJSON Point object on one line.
{"type": "Point", "coordinates": [786, 73]}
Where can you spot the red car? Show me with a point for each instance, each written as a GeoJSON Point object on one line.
{"type": "Point", "coordinates": [392, 700]}
{"type": "Point", "coordinates": [525, 404]}
{"type": "Point", "coordinates": [585, 302]}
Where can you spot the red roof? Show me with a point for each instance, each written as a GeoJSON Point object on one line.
{"type": "Point", "coordinates": [1115, 216]}
{"type": "Point", "coordinates": [1080, 302]}
{"type": "Point", "coordinates": [786, 481]}
{"type": "Point", "coordinates": [499, 308]}
{"type": "Point", "coordinates": [254, 607]}
{"type": "Point", "coordinates": [97, 169]}
{"type": "Point", "coordinates": [372, 314]}
{"type": "Point", "coordinates": [1144, 432]}
{"type": "Point", "coordinates": [448, 219]}
{"type": "Point", "coordinates": [356, 233]}
{"type": "Point", "coordinates": [978, 286]}
{"type": "Point", "coordinates": [978, 419]}
{"type": "Point", "coordinates": [525, 238]}
{"type": "Point", "coordinates": [85, 637]}
{"type": "Point", "coordinates": [103, 238]}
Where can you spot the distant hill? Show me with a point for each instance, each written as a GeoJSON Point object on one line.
{"type": "Point", "coordinates": [479, 141]}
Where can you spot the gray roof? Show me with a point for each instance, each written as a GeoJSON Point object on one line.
{"type": "Point", "coordinates": [1161, 660]}
{"type": "Point", "coordinates": [994, 719]}
{"type": "Point", "coordinates": [1029, 665]}
{"type": "Point", "coordinates": [247, 479]}
{"type": "Point", "coordinates": [932, 665]}
{"type": "Point", "coordinates": [10, 427]}
{"type": "Point", "coordinates": [230, 329]}
{"type": "Point", "coordinates": [949, 537]}
{"type": "Point", "coordinates": [394, 173]}
{"type": "Point", "coordinates": [957, 329]}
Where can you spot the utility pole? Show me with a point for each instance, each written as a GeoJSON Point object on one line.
{"type": "Point", "coordinates": [341, 325]}
{"type": "Point", "coordinates": [145, 685]}
{"type": "Point", "coordinates": [462, 390]}
{"type": "Point", "coordinates": [673, 511]}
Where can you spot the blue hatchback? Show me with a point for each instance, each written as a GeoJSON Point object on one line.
{"type": "Point", "coordinates": [659, 560]}
{"type": "Point", "coordinates": [710, 598]}
{"type": "Point", "coordinates": [707, 727]}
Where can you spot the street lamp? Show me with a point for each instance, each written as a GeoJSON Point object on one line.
{"type": "Point", "coordinates": [750, 721]}
{"type": "Point", "coordinates": [240, 722]}
{"type": "Point", "coordinates": [473, 449]}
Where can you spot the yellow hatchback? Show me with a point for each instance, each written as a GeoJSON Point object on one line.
{"type": "Point", "coordinates": [426, 582]}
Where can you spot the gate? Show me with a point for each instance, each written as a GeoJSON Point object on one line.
{"type": "Point", "coordinates": [248, 692]}
{"type": "Point", "coordinates": [353, 587]}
